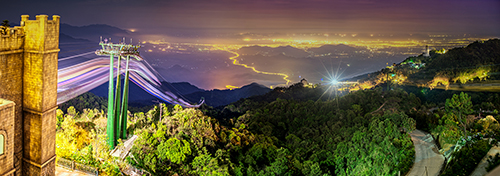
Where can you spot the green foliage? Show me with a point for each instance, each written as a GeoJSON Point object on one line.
{"type": "Point", "coordinates": [324, 140]}
{"type": "Point", "coordinates": [205, 164]}
{"type": "Point", "coordinates": [311, 168]}
{"type": "Point", "coordinates": [89, 100]}
{"type": "Point", "coordinates": [174, 150]}
{"type": "Point", "coordinates": [362, 133]}
{"type": "Point", "coordinates": [60, 118]}
{"type": "Point", "coordinates": [493, 162]}
{"type": "Point", "coordinates": [475, 55]}
{"type": "Point", "coordinates": [289, 131]}
{"type": "Point", "coordinates": [185, 142]}
{"type": "Point", "coordinates": [81, 137]}
{"type": "Point", "coordinates": [455, 115]}
{"type": "Point", "coordinates": [466, 160]}
{"type": "Point", "coordinates": [86, 101]}
{"type": "Point", "coordinates": [378, 148]}
{"type": "Point", "coordinates": [284, 137]}
{"type": "Point", "coordinates": [457, 108]}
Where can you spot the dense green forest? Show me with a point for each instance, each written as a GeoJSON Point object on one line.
{"type": "Point", "coordinates": [286, 137]}
{"type": "Point", "coordinates": [360, 133]}
{"type": "Point", "coordinates": [89, 100]}
{"type": "Point", "coordinates": [300, 129]}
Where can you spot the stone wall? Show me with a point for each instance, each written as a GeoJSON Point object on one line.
{"type": "Point", "coordinates": [7, 130]}
{"type": "Point", "coordinates": [11, 83]}
{"type": "Point", "coordinates": [28, 77]}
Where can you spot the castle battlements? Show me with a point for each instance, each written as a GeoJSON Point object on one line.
{"type": "Point", "coordinates": [12, 31]}
{"type": "Point", "coordinates": [41, 32]}
{"type": "Point", "coordinates": [12, 39]}
{"type": "Point", "coordinates": [28, 78]}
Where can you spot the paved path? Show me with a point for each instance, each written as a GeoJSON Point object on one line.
{"type": "Point", "coordinates": [481, 167]}
{"type": "Point", "coordinates": [428, 160]}
{"type": "Point", "coordinates": [60, 171]}
{"type": "Point", "coordinates": [127, 145]}
{"type": "Point", "coordinates": [494, 172]}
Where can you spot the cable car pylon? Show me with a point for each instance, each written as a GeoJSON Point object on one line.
{"type": "Point", "coordinates": [117, 103]}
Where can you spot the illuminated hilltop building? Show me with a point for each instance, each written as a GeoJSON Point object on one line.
{"type": "Point", "coordinates": [28, 92]}
{"type": "Point", "coordinates": [426, 53]}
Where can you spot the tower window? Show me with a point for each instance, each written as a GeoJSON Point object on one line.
{"type": "Point", "coordinates": [2, 144]}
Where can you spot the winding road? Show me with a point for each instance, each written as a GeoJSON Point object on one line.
{"type": "Point", "coordinates": [428, 160]}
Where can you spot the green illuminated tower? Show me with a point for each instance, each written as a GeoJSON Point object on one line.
{"type": "Point", "coordinates": [117, 110]}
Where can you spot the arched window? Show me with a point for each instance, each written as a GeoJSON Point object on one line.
{"type": "Point", "coordinates": [2, 144]}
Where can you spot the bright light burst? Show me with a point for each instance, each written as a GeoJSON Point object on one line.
{"type": "Point", "coordinates": [332, 80]}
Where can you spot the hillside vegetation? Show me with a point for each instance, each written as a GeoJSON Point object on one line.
{"type": "Point", "coordinates": [295, 130]}
{"type": "Point", "coordinates": [363, 133]}
{"type": "Point", "coordinates": [476, 62]}
{"type": "Point", "coordinates": [285, 137]}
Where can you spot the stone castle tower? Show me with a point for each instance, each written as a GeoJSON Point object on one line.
{"type": "Point", "coordinates": [28, 87]}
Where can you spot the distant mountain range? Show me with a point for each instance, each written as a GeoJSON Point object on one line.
{"type": "Point", "coordinates": [138, 97]}
{"type": "Point", "coordinates": [296, 52]}
{"type": "Point", "coordinates": [63, 38]}
{"type": "Point", "coordinates": [268, 51]}
{"type": "Point", "coordinates": [340, 48]}
{"type": "Point", "coordinates": [223, 97]}
{"type": "Point", "coordinates": [93, 32]}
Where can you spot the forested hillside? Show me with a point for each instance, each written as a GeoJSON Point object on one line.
{"type": "Point", "coordinates": [476, 54]}
{"type": "Point", "coordinates": [303, 131]}
{"type": "Point", "coordinates": [306, 129]}
{"type": "Point", "coordinates": [477, 62]}
{"type": "Point", "coordinates": [363, 133]}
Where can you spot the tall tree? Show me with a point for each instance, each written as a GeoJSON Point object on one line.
{"type": "Point", "coordinates": [460, 106]}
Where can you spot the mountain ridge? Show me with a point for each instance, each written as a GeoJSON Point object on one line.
{"type": "Point", "coordinates": [93, 32]}
{"type": "Point", "coordinates": [190, 92]}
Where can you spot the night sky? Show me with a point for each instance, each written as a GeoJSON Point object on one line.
{"type": "Point", "coordinates": [353, 16]}
{"type": "Point", "coordinates": [191, 20]}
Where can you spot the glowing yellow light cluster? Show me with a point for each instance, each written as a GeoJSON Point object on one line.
{"type": "Point", "coordinates": [464, 77]}
{"type": "Point", "coordinates": [230, 87]}
{"type": "Point", "coordinates": [372, 47]}
{"type": "Point", "coordinates": [443, 80]}
{"type": "Point", "coordinates": [396, 77]}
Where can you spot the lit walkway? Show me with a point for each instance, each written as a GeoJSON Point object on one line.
{"type": "Point", "coordinates": [61, 171]}
{"type": "Point", "coordinates": [481, 167]}
{"type": "Point", "coordinates": [127, 145]}
{"type": "Point", "coordinates": [428, 160]}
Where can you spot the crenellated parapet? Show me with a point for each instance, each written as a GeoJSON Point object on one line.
{"type": "Point", "coordinates": [41, 34]}
{"type": "Point", "coordinates": [11, 38]}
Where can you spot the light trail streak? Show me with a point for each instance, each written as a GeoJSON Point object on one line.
{"type": "Point", "coordinates": [80, 78]}
{"type": "Point", "coordinates": [70, 57]}
{"type": "Point", "coordinates": [236, 62]}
